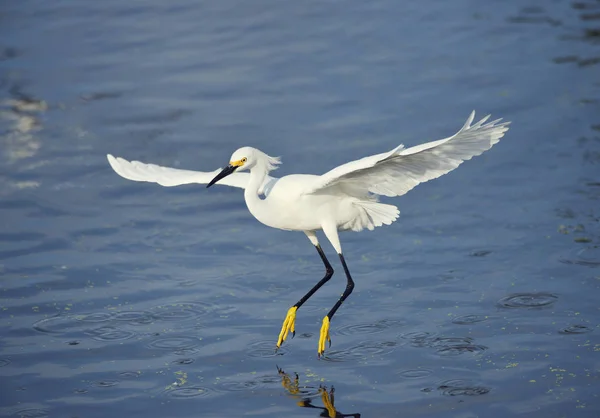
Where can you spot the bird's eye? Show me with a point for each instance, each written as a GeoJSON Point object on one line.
{"type": "Point", "coordinates": [244, 159]}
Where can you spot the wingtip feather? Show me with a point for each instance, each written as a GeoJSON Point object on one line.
{"type": "Point", "coordinates": [469, 121]}
{"type": "Point", "coordinates": [112, 161]}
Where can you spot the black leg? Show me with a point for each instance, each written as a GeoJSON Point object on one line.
{"type": "Point", "coordinates": [328, 274]}
{"type": "Point", "coordinates": [349, 288]}
{"type": "Point", "coordinates": [324, 335]}
{"type": "Point", "coordinates": [290, 319]}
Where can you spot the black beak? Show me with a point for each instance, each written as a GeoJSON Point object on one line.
{"type": "Point", "coordinates": [224, 173]}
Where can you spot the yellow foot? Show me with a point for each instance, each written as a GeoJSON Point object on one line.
{"type": "Point", "coordinates": [289, 325]}
{"type": "Point", "coordinates": [324, 336]}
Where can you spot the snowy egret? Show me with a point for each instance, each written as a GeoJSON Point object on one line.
{"type": "Point", "coordinates": [344, 198]}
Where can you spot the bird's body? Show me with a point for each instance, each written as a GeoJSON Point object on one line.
{"type": "Point", "coordinates": [345, 198]}
{"type": "Point", "coordinates": [287, 206]}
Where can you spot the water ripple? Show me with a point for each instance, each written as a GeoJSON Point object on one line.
{"type": "Point", "coordinates": [129, 375]}
{"type": "Point", "coordinates": [183, 361]}
{"type": "Point", "coordinates": [187, 351]}
{"type": "Point", "coordinates": [104, 383]}
{"type": "Point", "coordinates": [588, 257]}
{"type": "Point", "coordinates": [528, 300]}
{"type": "Point", "coordinates": [455, 350]}
{"type": "Point", "coordinates": [95, 317]}
{"type": "Point", "coordinates": [265, 349]}
{"type": "Point", "coordinates": [418, 338]}
{"type": "Point", "coordinates": [110, 333]}
{"type": "Point", "coordinates": [4, 362]}
{"type": "Point", "coordinates": [58, 324]}
{"type": "Point", "coordinates": [187, 392]}
{"type": "Point", "coordinates": [361, 351]}
{"type": "Point", "coordinates": [135, 317]}
{"type": "Point", "coordinates": [243, 383]}
{"type": "Point", "coordinates": [415, 373]}
{"type": "Point", "coordinates": [369, 328]}
{"type": "Point", "coordinates": [181, 311]}
{"type": "Point", "coordinates": [237, 386]}
{"type": "Point", "coordinates": [469, 319]}
{"type": "Point", "coordinates": [457, 387]}
{"type": "Point", "coordinates": [61, 323]}
{"type": "Point", "coordinates": [444, 346]}
{"type": "Point", "coordinates": [269, 379]}
{"type": "Point", "coordinates": [175, 343]}
{"type": "Point", "coordinates": [575, 329]}
{"type": "Point", "coordinates": [453, 346]}
{"type": "Point", "coordinates": [31, 413]}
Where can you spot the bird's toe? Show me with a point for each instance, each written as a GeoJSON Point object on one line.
{"type": "Point", "coordinates": [289, 326]}
{"type": "Point", "coordinates": [324, 336]}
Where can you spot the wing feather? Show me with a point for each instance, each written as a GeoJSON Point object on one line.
{"type": "Point", "coordinates": [168, 177]}
{"type": "Point", "coordinates": [398, 171]}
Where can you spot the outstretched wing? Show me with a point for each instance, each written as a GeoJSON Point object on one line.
{"type": "Point", "coordinates": [166, 176]}
{"type": "Point", "coordinates": [396, 172]}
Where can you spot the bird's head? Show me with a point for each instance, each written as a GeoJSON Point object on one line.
{"type": "Point", "coordinates": [246, 158]}
{"type": "Point", "coordinates": [243, 158]}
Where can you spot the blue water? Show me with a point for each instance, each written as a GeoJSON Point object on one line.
{"type": "Point", "coordinates": [129, 299]}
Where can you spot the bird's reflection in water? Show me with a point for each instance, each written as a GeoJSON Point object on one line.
{"type": "Point", "coordinates": [305, 396]}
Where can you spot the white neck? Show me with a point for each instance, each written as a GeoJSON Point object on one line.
{"type": "Point", "coordinates": [256, 205]}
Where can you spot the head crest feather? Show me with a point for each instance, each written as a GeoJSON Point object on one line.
{"type": "Point", "coordinates": [273, 162]}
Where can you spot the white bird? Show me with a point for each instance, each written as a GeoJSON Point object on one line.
{"type": "Point", "coordinates": [344, 198]}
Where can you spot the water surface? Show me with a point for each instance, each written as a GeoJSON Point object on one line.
{"type": "Point", "coordinates": [130, 299]}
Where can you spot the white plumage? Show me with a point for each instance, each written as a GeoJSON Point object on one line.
{"type": "Point", "coordinates": [169, 177]}
{"type": "Point", "coordinates": [396, 172]}
{"type": "Point", "coordinates": [344, 198]}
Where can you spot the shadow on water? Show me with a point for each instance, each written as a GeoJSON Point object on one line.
{"type": "Point", "coordinates": [306, 395]}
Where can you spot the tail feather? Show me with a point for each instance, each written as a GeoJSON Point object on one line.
{"type": "Point", "coordinates": [372, 214]}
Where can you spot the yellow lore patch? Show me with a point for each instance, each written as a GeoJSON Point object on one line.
{"type": "Point", "coordinates": [238, 163]}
